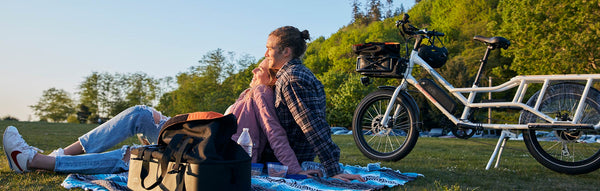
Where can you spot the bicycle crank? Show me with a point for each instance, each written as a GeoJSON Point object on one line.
{"type": "Point", "coordinates": [463, 132]}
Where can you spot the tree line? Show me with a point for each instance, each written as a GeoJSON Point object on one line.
{"type": "Point", "coordinates": [101, 95]}
{"type": "Point", "coordinates": [547, 37]}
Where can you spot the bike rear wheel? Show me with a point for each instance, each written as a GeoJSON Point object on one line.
{"type": "Point", "coordinates": [565, 151]}
{"type": "Point", "coordinates": [378, 142]}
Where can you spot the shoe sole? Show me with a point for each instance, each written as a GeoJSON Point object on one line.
{"type": "Point", "coordinates": [10, 164]}
{"type": "Point", "coordinates": [10, 161]}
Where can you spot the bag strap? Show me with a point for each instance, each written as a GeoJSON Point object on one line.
{"type": "Point", "coordinates": [179, 168]}
{"type": "Point", "coordinates": [181, 151]}
{"type": "Point", "coordinates": [163, 162]}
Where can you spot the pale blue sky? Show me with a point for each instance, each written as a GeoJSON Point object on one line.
{"type": "Point", "coordinates": [46, 44]}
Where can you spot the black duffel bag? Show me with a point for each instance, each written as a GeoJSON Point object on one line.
{"type": "Point", "coordinates": [194, 152]}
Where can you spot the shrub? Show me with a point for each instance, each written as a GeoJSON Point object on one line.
{"type": "Point", "coordinates": [9, 118]}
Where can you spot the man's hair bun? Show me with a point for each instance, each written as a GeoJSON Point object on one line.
{"type": "Point", "coordinates": [304, 34]}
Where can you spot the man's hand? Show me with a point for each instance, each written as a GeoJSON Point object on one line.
{"type": "Point", "coordinates": [349, 177]}
{"type": "Point", "coordinates": [312, 173]}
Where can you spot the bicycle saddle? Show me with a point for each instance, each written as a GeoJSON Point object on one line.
{"type": "Point", "coordinates": [495, 42]}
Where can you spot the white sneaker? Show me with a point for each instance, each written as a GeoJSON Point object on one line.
{"type": "Point", "coordinates": [17, 151]}
{"type": "Point", "coordinates": [57, 152]}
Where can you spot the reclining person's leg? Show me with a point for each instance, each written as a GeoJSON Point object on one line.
{"type": "Point", "coordinates": [114, 161]}
{"type": "Point", "coordinates": [134, 120]}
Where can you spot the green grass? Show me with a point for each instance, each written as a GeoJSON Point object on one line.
{"type": "Point", "coordinates": [456, 164]}
{"type": "Point", "coordinates": [447, 164]}
{"type": "Point", "coordinates": [46, 136]}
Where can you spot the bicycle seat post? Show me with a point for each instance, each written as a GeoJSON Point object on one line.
{"type": "Point", "coordinates": [483, 62]}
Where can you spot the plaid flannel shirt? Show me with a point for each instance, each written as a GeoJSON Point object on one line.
{"type": "Point", "coordinates": [300, 106]}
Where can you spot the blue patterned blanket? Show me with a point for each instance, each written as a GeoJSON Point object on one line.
{"type": "Point", "coordinates": [376, 178]}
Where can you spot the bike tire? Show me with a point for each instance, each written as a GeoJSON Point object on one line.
{"type": "Point", "coordinates": [380, 143]}
{"type": "Point", "coordinates": [565, 151]}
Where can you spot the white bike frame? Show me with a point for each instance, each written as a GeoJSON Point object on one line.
{"type": "Point", "coordinates": [521, 81]}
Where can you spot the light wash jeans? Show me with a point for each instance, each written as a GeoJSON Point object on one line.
{"type": "Point", "coordinates": [130, 122]}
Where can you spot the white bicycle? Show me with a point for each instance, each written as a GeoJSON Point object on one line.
{"type": "Point", "coordinates": [554, 120]}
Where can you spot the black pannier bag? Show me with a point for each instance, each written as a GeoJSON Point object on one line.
{"type": "Point", "coordinates": [194, 152]}
{"type": "Point", "coordinates": [379, 59]}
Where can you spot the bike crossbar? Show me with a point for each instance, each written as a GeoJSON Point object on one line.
{"type": "Point", "coordinates": [560, 126]}
{"type": "Point", "coordinates": [535, 126]}
{"type": "Point", "coordinates": [494, 126]}
{"type": "Point", "coordinates": [516, 81]}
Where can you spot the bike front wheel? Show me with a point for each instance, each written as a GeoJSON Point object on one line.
{"type": "Point", "coordinates": [377, 141]}
{"type": "Point", "coordinates": [565, 151]}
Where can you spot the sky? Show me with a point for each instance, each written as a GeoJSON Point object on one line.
{"type": "Point", "coordinates": [56, 44]}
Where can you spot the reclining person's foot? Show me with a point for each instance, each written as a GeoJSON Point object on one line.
{"type": "Point", "coordinates": [17, 151]}
{"type": "Point", "coordinates": [57, 152]}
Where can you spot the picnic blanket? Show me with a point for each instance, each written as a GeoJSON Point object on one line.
{"type": "Point", "coordinates": [376, 177]}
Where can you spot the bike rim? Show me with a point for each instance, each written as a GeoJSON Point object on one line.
{"type": "Point", "coordinates": [568, 148]}
{"type": "Point", "coordinates": [382, 140]}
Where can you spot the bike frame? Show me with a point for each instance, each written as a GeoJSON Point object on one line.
{"type": "Point", "coordinates": [521, 82]}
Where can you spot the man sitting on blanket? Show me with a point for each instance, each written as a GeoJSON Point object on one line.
{"type": "Point", "coordinates": [300, 101]}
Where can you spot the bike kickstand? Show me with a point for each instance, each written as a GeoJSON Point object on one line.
{"type": "Point", "coordinates": [506, 134]}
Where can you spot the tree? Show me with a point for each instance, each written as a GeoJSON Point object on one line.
{"type": "Point", "coordinates": [343, 100]}
{"type": "Point", "coordinates": [99, 91]}
{"type": "Point", "coordinates": [552, 37]}
{"type": "Point", "coordinates": [374, 11]}
{"type": "Point", "coordinates": [55, 105]}
{"type": "Point", "coordinates": [112, 94]}
{"type": "Point", "coordinates": [83, 114]}
{"type": "Point", "coordinates": [389, 9]}
{"type": "Point", "coordinates": [106, 94]}
{"type": "Point", "coordinates": [357, 15]}
{"type": "Point", "coordinates": [210, 86]}
{"type": "Point", "coordinates": [9, 118]}
{"type": "Point", "coordinates": [73, 119]}
{"type": "Point", "coordinates": [88, 95]}
{"type": "Point", "coordinates": [141, 89]}
{"type": "Point", "coordinates": [239, 80]}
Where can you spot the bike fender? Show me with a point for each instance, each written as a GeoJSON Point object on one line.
{"type": "Point", "coordinates": [391, 88]}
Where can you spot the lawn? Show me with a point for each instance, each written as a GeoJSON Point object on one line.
{"type": "Point", "coordinates": [447, 164]}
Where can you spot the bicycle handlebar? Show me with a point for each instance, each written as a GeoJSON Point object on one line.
{"type": "Point", "coordinates": [429, 33]}
{"type": "Point", "coordinates": [411, 30]}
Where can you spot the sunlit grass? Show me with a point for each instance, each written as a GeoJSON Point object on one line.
{"type": "Point", "coordinates": [456, 164]}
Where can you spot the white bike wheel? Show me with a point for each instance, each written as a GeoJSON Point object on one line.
{"type": "Point", "coordinates": [377, 142]}
{"type": "Point", "coordinates": [565, 151]}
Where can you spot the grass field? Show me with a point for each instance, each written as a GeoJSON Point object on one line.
{"type": "Point", "coordinates": [447, 164]}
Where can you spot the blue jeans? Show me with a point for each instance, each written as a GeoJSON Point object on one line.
{"type": "Point", "coordinates": [130, 122]}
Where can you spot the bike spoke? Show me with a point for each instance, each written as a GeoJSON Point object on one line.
{"type": "Point", "coordinates": [391, 145]}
